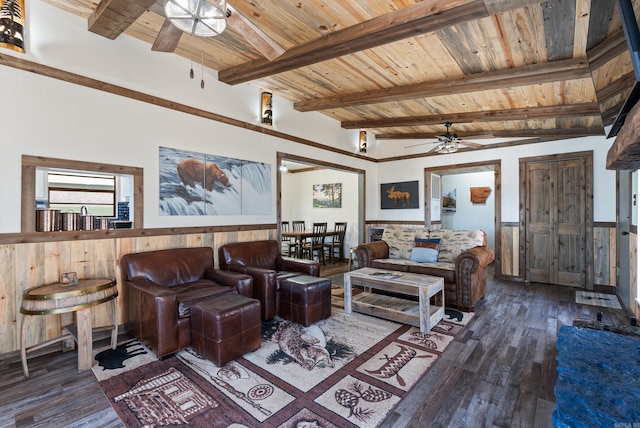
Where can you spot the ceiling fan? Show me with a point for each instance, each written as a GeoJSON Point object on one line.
{"type": "Point", "coordinates": [448, 142]}
{"type": "Point", "coordinates": [169, 35]}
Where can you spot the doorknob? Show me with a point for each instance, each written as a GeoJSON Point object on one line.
{"type": "Point", "coordinates": [625, 233]}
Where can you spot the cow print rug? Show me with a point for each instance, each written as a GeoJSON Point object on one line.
{"type": "Point", "coordinates": [350, 370]}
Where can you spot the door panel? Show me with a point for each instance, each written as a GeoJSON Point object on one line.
{"type": "Point", "coordinates": [539, 222]}
{"type": "Point", "coordinates": [555, 222]}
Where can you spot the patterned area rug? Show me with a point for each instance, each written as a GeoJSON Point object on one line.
{"type": "Point", "coordinates": [346, 371]}
{"type": "Point", "coordinates": [597, 299]}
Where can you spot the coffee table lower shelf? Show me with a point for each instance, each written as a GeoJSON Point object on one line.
{"type": "Point", "coordinates": [394, 309]}
{"type": "Point", "coordinates": [424, 312]}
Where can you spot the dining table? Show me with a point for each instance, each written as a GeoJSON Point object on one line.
{"type": "Point", "coordinates": [299, 236]}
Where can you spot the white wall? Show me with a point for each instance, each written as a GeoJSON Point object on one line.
{"type": "Point", "coordinates": [297, 202]}
{"type": "Point", "coordinates": [468, 215]}
{"type": "Point", "coordinates": [413, 169]}
{"type": "Point", "coordinates": [49, 117]}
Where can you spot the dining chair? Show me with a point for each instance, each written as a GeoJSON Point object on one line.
{"type": "Point", "coordinates": [336, 245]}
{"type": "Point", "coordinates": [316, 243]}
{"type": "Point", "coordinates": [285, 241]}
{"type": "Point", "coordinates": [295, 245]}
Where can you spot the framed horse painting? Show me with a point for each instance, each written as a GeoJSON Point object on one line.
{"type": "Point", "coordinates": [402, 195]}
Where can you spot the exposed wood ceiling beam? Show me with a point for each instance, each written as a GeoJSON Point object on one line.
{"type": "Point", "coordinates": [420, 18]}
{"type": "Point", "coordinates": [168, 38]}
{"type": "Point", "coordinates": [254, 36]}
{"type": "Point", "coordinates": [625, 151]}
{"type": "Point", "coordinates": [112, 17]}
{"type": "Point", "coordinates": [479, 116]}
{"type": "Point", "coordinates": [610, 48]}
{"type": "Point", "coordinates": [528, 75]}
{"type": "Point", "coordinates": [524, 133]}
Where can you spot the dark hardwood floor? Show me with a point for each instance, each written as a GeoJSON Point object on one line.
{"type": "Point", "coordinates": [499, 372]}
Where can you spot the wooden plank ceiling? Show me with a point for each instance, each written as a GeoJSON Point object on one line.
{"type": "Point", "coordinates": [524, 70]}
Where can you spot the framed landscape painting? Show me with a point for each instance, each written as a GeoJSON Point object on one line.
{"type": "Point", "coordinates": [327, 195]}
{"type": "Point", "coordinates": [449, 200]}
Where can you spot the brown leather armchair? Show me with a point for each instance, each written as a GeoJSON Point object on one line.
{"type": "Point", "coordinates": [161, 286]}
{"type": "Point", "coordinates": [264, 262]}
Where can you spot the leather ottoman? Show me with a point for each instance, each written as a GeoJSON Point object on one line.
{"type": "Point", "coordinates": [305, 299]}
{"type": "Point", "coordinates": [225, 327]}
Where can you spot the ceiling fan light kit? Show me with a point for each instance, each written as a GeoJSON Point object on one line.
{"type": "Point", "coordinates": [204, 18]}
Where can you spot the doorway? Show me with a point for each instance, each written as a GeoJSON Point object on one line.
{"type": "Point", "coordinates": [295, 195]}
{"type": "Point", "coordinates": [556, 227]}
{"type": "Point", "coordinates": [433, 179]}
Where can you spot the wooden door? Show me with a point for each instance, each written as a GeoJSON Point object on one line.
{"type": "Point", "coordinates": [555, 223]}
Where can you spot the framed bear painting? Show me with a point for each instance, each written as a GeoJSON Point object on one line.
{"type": "Point", "coordinates": [194, 183]}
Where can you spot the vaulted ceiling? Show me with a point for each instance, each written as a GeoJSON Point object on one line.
{"type": "Point", "coordinates": [520, 70]}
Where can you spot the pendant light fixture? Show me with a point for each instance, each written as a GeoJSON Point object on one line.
{"type": "Point", "coordinates": [203, 18]}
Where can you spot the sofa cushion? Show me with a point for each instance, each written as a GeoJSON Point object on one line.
{"type": "Point", "coordinates": [260, 254]}
{"type": "Point", "coordinates": [400, 240]}
{"type": "Point", "coordinates": [168, 268]}
{"type": "Point", "coordinates": [392, 264]}
{"type": "Point", "coordinates": [425, 250]}
{"type": "Point", "coordinates": [189, 294]}
{"type": "Point", "coordinates": [442, 269]}
{"type": "Point", "coordinates": [455, 242]}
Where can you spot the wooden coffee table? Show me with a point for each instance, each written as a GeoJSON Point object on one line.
{"type": "Point", "coordinates": [425, 313]}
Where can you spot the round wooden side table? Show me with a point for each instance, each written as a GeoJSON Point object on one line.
{"type": "Point", "coordinates": [61, 298]}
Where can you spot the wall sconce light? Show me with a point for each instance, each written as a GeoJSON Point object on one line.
{"type": "Point", "coordinates": [266, 108]}
{"type": "Point", "coordinates": [12, 25]}
{"type": "Point", "coordinates": [363, 142]}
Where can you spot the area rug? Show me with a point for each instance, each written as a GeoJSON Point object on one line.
{"type": "Point", "coordinates": [597, 299]}
{"type": "Point", "coordinates": [350, 370]}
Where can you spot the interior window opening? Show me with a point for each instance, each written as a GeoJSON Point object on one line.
{"type": "Point", "coordinates": [68, 191]}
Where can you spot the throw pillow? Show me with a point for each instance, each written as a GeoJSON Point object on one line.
{"type": "Point", "coordinates": [425, 250]}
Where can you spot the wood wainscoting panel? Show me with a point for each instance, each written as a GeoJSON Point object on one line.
{"type": "Point", "coordinates": [27, 265]}
{"type": "Point", "coordinates": [604, 250]}
{"type": "Point", "coordinates": [510, 250]}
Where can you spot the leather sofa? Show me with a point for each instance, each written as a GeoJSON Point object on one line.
{"type": "Point", "coordinates": [160, 287]}
{"type": "Point", "coordinates": [263, 261]}
{"type": "Point", "coordinates": [462, 260]}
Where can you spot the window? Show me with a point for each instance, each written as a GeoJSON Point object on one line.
{"type": "Point", "coordinates": [69, 191]}
{"type": "Point", "coordinates": [126, 185]}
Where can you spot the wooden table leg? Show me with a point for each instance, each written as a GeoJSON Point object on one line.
{"type": "Point", "coordinates": [23, 345]}
{"type": "Point", "coordinates": [84, 339]}
{"type": "Point", "coordinates": [347, 294]}
{"type": "Point", "coordinates": [114, 317]}
{"type": "Point", "coordinates": [425, 310]}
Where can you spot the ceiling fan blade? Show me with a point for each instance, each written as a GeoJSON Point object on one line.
{"type": "Point", "coordinates": [262, 43]}
{"type": "Point", "coordinates": [167, 38]}
{"type": "Point", "coordinates": [477, 136]}
{"type": "Point", "coordinates": [470, 144]}
{"type": "Point", "coordinates": [420, 144]}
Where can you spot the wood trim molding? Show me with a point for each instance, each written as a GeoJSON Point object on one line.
{"type": "Point", "coordinates": [34, 237]}
{"type": "Point", "coordinates": [403, 222]}
{"type": "Point", "coordinates": [65, 76]}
